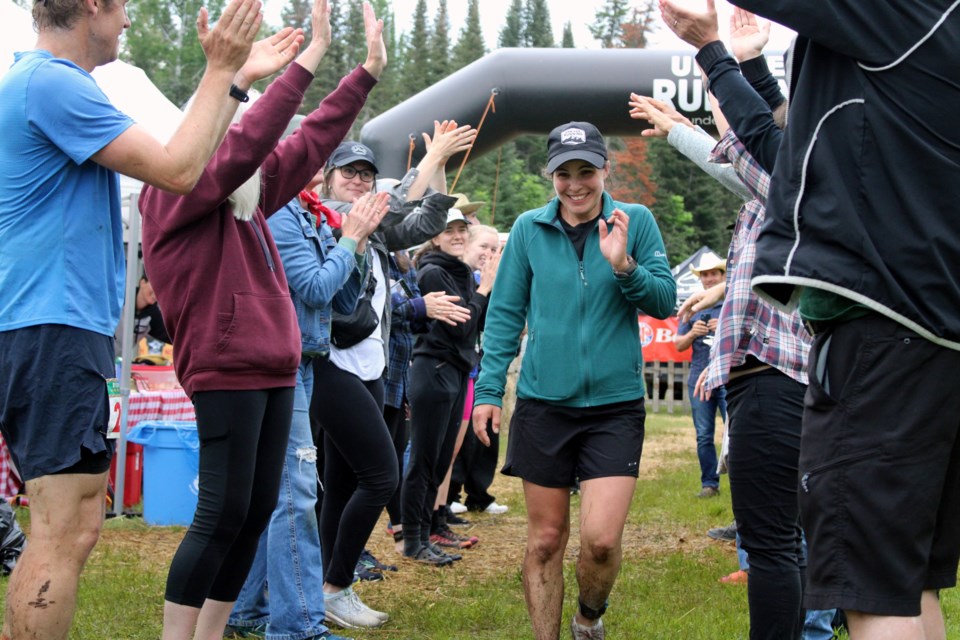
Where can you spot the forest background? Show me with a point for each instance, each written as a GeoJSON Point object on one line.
{"type": "Point", "coordinates": [691, 208]}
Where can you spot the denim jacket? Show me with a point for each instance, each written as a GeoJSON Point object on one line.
{"type": "Point", "coordinates": [321, 275]}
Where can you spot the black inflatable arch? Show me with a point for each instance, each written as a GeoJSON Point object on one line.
{"type": "Point", "coordinates": [537, 89]}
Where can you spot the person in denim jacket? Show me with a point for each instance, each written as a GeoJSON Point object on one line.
{"type": "Point", "coordinates": [323, 275]}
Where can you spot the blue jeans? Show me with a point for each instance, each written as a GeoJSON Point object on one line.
{"type": "Point", "coordinates": [288, 555]}
{"type": "Point", "coordinates": [704, 421]}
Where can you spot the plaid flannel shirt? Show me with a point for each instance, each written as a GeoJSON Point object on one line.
{"type": "Point", "coordinates": [748, 326]}
{"type": "Point", "coordinates": [406, 318]}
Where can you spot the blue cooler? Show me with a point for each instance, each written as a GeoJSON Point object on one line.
{"type": "Point", "coordinates": [171, 464]}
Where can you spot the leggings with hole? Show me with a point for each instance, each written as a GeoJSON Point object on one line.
{"type": "Point", "coordinates": [243, 439]}
{"type": "Point", "coordinates": [360, 470]}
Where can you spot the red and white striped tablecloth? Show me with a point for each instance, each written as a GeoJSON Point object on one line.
{"type": "Point", "coordinates": [171, 404]}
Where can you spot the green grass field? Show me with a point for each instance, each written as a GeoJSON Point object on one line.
{"type": "Point", "coordinates": [667, 587]}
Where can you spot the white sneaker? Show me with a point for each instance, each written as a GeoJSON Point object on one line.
{"type": "Point", "coordinates": [495, 508]}
{"type": "Point", "coordinates": [457, 507]}
{"type": "Point", "coordinates": [345, 609]}
{"type": "Point", "coordinates": [580, 632]}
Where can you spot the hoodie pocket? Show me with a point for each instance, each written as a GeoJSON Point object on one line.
{"type": "Point", "coordinates": [260, 333]}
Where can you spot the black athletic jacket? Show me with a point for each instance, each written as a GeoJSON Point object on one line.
{"type": "Point", "coordinates": [865, 198]}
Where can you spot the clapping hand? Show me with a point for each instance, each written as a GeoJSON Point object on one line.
{"type": "Point", "coordinates": [365, 216]}
{"type": "Point", "coordinates": [661, 115]}
{"type": "Point", "coordinates": [228, 44]}
{"type": "Point", "coordinates": [613, 242]}
{"type": "Point", "coordinates": [376, 49]}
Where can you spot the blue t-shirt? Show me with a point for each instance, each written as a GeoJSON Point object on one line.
{"type": "Point", "coordinates": [701, 345]}
{"type": "Point", "coordinates": [61, 235]}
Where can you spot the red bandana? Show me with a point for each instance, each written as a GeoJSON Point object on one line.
{"type": "Point", "coordinates": [312, 202]}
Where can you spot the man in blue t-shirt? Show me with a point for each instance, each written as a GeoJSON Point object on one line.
{"type": "Point", "coordinates": [698, 331]}
{"type": "Point", "coordinates": [62, 265]}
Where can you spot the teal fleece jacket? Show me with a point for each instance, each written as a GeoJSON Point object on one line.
{"type": "Point", "coordinates": [583, 346]}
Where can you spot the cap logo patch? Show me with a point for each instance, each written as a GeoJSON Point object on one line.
{"type": "Point", "coordinates": [573, 136]}
{"type": "Point", "coordinates": [359, 150]}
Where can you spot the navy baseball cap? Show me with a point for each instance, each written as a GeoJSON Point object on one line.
{"type": "Point", "coordinates": [575, 141]}
{"type": "Point", "coordinates": [350, 151]}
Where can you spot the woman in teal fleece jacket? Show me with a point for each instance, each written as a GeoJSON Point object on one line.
{"type": "Point", "coordinates": [576, 272]}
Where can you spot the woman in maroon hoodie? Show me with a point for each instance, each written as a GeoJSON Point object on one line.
{"type": "Point", "coordinates": [220, 283]}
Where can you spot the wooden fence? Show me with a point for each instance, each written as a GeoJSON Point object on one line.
{"type": "Point", "coordinates": [667, 386]}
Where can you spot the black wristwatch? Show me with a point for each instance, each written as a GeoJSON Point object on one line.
{"type": "Point", "coordinates": [631, 267]}
{"type": "Point", "coordinates": [239, 94]}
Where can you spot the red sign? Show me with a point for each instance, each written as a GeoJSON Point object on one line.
{"type": "Point", "coordinates": [656, 337]}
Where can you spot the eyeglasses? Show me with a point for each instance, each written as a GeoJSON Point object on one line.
{"type": "Point", "coordinates": [349, 172]}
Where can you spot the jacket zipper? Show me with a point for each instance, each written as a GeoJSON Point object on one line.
{"type": "Point", "coordinates": [263, 245]}
{"type": "Point", "coordinates": [842, 460]}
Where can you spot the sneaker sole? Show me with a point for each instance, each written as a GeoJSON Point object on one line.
{"type": "Point", "coordinates": [340, 622]}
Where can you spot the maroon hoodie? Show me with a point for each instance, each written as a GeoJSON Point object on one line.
{"type": "Point", "coordinates": [219, 280]}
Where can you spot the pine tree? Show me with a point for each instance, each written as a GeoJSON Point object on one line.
{"type": "Point", "coordinates": [568, 37]}
{"type": "Point", "coordinates": [511, 35]}
{"type": "Point", "coordinates": [163, 42]}
{"type": "Point", "coordinates": [537, 31]}
{"type": "Point", "coordinates": [440, 45]}
{"type": "Point", "coordinates": [607, 26]}
{"type": "Point", "coordinates": [470, 45]}
{"type": "Point", "coordinates": [643, 21]}
{"type": "Point", "coordinates": [416, 55]}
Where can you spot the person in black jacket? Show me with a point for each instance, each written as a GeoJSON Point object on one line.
{"type": "Point", "coordinates": [861, 233]}
{"type": "Point", "coordinates": [442, 360]}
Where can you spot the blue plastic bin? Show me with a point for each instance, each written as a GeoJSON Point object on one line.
{"type": "Point", "coordinates": [171, 463]}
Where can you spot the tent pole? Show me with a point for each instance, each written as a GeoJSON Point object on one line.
{"type": "Point", "coordinates": [127, 347]}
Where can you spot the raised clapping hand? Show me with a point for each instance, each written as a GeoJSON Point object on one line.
{"type": "Point", "coordinates": [228, 44]}
{"type": "Point", "coordinates": [613, 242]}
{"type": "Point", "coordinates": [482, 414]}
{"type": "Point", "coordinates": [661, 115]}
{"type": "Point", "coordinates": [444, 308]}
{"type": "Point", "coordinates": [320, 40]}
{"type": "Point", "coordinates": [376, 49]}
{"type": "Point", "coordinates": [448, 139]}
{"type": "Point", "coordinates": [365, 216]}
{"type": "Point", "coordinates": [269, 55]}
{"type": "Point", "coordinates": [748, 36]}
{"type": "Point", "coordinates": [698, 28]}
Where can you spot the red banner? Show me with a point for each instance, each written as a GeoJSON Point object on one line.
{"type": "Point", "coordinates": [657, 336]}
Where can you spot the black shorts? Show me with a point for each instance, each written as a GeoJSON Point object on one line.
{"type": "Point", "coordinates": [553, 446]}
{"type": "Point", "coordinates": [880, 468]}
{"type": "Point", "coordinates": [53, 399]}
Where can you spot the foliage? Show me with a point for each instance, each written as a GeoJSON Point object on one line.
{"type": "Point", "coordinates": [537, 31]}
{"type": "Point", "coordinates": [567, 41]}
{"type": "Point", "coordinates": [470, 45]}
{"type": "Point", "coordinates": [162, 40]}
{"type": "Point", "coordinates": [608, 24]}
{"type": "Point", "coordinates": [712, 207]}
{"type": "Point", "coordinates": [511, 35]}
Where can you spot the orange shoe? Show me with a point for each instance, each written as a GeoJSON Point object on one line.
{"type": "Point", "coordinates": [737, 577]}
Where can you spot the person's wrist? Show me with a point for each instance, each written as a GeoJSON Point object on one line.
{"type": "Point", "coordinates": [241, 81]}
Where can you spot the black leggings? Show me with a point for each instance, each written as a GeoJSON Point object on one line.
{"type": "Point", "coordinates": [360, 470]}
{"type": "Point", "coordinates": [243, 438]}
{"type": "Point", "coordinates": [396, 419]}
{"type": "Point", "coordinates": [437, 393]}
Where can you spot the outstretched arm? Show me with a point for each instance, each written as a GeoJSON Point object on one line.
{"type": "Point", "coordinates": [177, 165]}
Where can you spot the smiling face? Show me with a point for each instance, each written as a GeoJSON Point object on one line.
{"type": "Point", "coordinates": [348, 189]}
{"type": "Point", "coordinates": [711, 277]}
{"type": "Point", "coordinates": [579, 185]}
{"type": "Point", "coordinates": [481, 246]}
{"type": "Point", "coordinates": [453, 239]}
{"type": "Point", "coordinates": [105, 31]}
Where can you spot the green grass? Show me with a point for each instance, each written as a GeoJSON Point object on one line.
{"type": "Point", "coordinates": [667, 586]}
